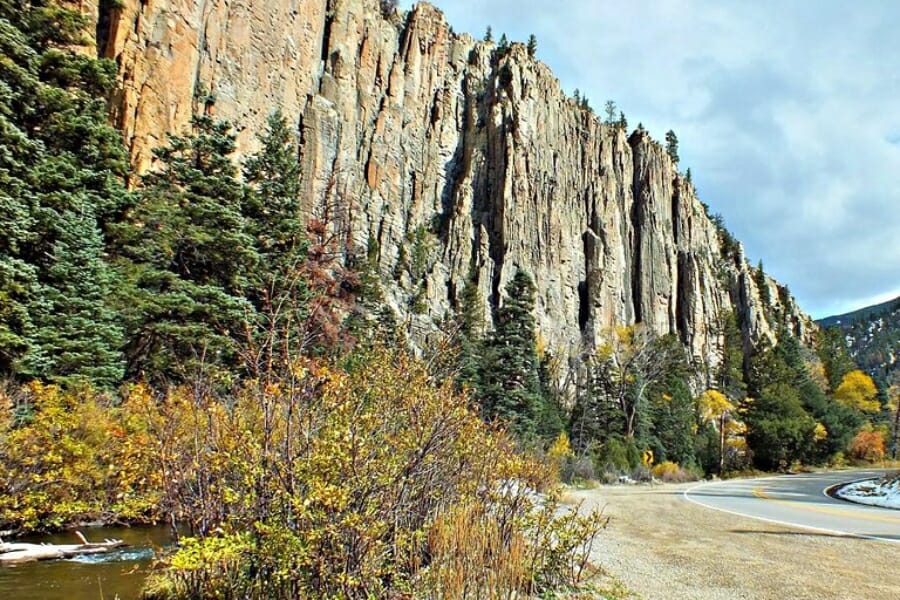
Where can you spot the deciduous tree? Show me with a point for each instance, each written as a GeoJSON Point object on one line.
{"type": "Point", "coordinates": [625, 365]}
{"type": "Point", "coordinates": [716, 408]}
{"type": "Point", "coordinates": [858, 391]}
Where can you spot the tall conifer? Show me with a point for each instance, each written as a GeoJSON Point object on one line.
{"type": "Point", "coordinates": [61, 186]}
{"type": "Point", "coordinates": [510, 383]}
{"type": "Point", "coordinates": [190, 258]}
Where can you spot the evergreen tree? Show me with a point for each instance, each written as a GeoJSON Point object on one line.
{"type": "Point", "coordinates": [730, 378]}
{"type": "Point", "coordinates": [471, 336]}
{"type": "Point", "coordinates": [791, 418]}
{"type": "Point", "coordinates": [503, 46]}
{"type": "Point", "coordinates": [76, 338]}
{"type": "Point", "coordinates": [832, 351]}
{"type": "Point", "coordinates": [18, 278]}
{"type": "Point", "coordinates": [273, 198]}
{"type": "Point", "coordinates": [532, 45]}
{"type": "Point", "coordinates": [674, 419]}
{"type": "Point", "coordinates": [623, 122]}
{"type": "Point", "coordinates": [762, 284]}
{"type": "Point", "coordinates": [687, 176]}
{"type": "Point", "coordinates": [840, 422]}
{"type": "Point", "coordinates": [191, 257]}
{"type": "Point", "coordinates": [596, 416]}
{"type": "Point", "coordinates": [278, 286]}
{"type": "Point", "coordinates": [61, 176]}
{"type": "Point", "coordinates": [672, 146]}
{"type": "Point", "coordinates": [766, 367]}
{"type": "Point", "coordinates": [509, 372]}
{"type": "Point", "coordinates": [610, 110]}
{"type": "Point", "coordinates": [780, 431]}
{"type": "Point", "coordinates": [489, 35]}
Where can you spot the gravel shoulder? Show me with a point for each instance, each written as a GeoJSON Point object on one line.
{"type": "Point", "coordinates": [664, 548]}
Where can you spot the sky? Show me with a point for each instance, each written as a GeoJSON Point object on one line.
{"type": "Point", "coordinates": [787, 113]}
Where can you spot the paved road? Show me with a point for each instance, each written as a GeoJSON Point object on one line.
{"type": "Point", "coordinates": [800, 501]}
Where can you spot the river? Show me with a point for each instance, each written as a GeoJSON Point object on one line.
{"type": "Point", "coordinates": [119, 574]}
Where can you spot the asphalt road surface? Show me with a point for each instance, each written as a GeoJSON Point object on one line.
{"type": "Point", "coordinates": [800, 501]}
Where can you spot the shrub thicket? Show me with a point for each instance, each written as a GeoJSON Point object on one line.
{"type": "Point", "coordinates": [354, 479]}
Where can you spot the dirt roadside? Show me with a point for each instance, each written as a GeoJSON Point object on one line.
{"type": "Point", "coordinates": [665, 548]}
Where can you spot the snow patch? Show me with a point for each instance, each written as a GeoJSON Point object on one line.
{"type": "Point", "coordinates": [875, 492]}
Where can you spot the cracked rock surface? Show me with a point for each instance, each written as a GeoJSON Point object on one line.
{"type": "Point", "coordinates": [418, 141]}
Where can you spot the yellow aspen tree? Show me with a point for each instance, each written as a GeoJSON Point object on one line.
{"type": "Point", "coordinates": [716, 408]}
{"type": "Point", "coordinates": [858, 391]}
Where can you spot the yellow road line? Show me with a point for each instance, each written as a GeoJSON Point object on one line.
{"type": "Point", "coordinates": [760, 493]}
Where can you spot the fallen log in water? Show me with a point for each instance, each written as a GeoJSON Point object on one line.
{"type": "Point", "coordinates": [17, 553]}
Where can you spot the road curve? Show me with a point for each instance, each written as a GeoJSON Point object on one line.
{"type": "Point", "coordinates": [800, 501]}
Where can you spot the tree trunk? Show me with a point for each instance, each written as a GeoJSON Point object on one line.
{"type": "Point", "coordinates": [721, 444]}
{"type": "Point", "coordinates": [13, 554]}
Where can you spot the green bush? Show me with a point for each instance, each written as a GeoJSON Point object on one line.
{"type": "Point", "coordinates": [618, 454]}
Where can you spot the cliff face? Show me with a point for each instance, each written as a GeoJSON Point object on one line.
{"type": "Point", "coordinates": [446, 159]}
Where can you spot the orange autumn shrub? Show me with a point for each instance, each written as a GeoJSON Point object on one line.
{"type": "Point", "coordinates": [867, 445]}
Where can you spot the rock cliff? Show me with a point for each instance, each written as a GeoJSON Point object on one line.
{"type": "Point", "coordinates": [446, 159]}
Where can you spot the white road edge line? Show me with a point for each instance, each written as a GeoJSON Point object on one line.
{"type": "Point", "coordinates": [687, 496]}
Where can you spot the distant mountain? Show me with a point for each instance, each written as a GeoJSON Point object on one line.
{"type": "Point", "coordinates": [873, 338]}
{"type": "Point", "coordinates": [862, 313]}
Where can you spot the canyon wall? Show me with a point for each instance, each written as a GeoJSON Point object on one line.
{"type": "Point", "coordinates": [445, 159]}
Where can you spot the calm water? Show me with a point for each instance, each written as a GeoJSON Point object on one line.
{"type": "Point", "coordinates": [99, 577]}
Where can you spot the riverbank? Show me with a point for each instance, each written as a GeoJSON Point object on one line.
{"type": "Point", "coordinates": [119, 574]}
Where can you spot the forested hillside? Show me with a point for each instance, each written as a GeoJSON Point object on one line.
{"type": "Point", "coordinates": [873, 338]}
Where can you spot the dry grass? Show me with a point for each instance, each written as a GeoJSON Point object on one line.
{"type": "Point", "coordinates": [474, 558]}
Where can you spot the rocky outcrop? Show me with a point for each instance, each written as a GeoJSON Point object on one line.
{"type": "Point", "coordinates": [448, 159]}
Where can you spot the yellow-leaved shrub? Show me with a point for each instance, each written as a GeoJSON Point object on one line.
{"type": "Point", "coordinates": [69, 456]}
{"type": "Point", "coordinates": [358, 480]}
{"type": "Point", "coordinates": [671, 472]}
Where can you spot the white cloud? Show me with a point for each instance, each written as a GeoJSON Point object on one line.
{"type": "Point", "coordinates": [786, 112]}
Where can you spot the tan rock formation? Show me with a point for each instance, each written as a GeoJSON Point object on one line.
{"type": "Point", "coordinates": [431, 145]}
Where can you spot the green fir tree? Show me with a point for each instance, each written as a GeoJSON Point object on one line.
{"type": "Point", "coordinates": [470, 316]}
{"type": "Point", "coordinates": [62, 170]}
{"type": "Point", "coordinates": [191, 258]}
{"type": "Point", "coordinates": [511, 387]}
{"type": "Point", "coordinates": [77, 338]}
